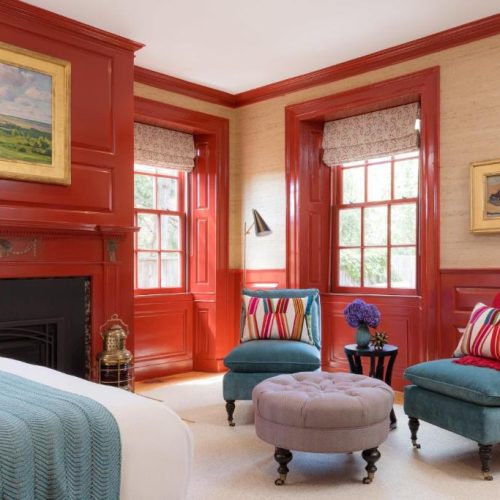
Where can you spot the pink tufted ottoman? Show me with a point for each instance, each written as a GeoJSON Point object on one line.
{"type": "Point", "coordinates": [325, 413]}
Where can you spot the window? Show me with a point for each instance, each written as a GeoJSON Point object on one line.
{"type": "Point", "coordinates": [160, 215]}
{"type": "Point", "coordinates": [376, 235]}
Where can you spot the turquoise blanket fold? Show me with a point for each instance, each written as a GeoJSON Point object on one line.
{"type": "Point", "coordinates": [55, 444]}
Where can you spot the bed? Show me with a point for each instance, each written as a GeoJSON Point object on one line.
{"type": "Point", "coordinates": [156, 446]}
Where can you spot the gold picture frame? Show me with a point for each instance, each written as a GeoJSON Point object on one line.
{"type": "Point", "coordinates": [485, 196]}
{"type": "Point", "coordinates": [35, 134]}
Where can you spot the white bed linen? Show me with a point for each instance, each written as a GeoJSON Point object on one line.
{"type": "Point", "coordinates": [156, 444]}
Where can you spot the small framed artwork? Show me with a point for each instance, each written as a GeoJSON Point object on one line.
{"type": "Point", "coordinates": [35, 136]}
{"type": "Point", "coordinates": [485, 196]}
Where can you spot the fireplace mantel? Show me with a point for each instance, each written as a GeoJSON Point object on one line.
{"type": "Point", "coordinates": [30, 228]}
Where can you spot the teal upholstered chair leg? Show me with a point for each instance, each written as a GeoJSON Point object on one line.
{"type": "Point", "coordinates": [230, 406]}
{"type": "Point", "coordinates": [253, 361]}
{"type": "Point", "coordinates": [485, 450]}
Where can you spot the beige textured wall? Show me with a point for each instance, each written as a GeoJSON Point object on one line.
{"type": "Point", "coordinates": [470, 131]}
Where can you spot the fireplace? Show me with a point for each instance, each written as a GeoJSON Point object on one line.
{"type": "Point", "coordinates": [46, 321]}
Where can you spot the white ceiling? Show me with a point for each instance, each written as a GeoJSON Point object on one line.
{"type": "Point", "coordinates": [237, 45]}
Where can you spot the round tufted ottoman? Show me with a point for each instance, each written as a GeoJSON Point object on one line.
{"type": "Point", "coordinates": [323, 412]}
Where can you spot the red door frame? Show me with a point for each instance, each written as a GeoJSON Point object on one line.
{"type": "Point", "coordinates": [422, 86]}
{"type": "Point", "coordinates": [213, 131]}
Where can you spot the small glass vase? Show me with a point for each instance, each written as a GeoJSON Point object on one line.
{"type": "Point", "coordinates": [363, 336]}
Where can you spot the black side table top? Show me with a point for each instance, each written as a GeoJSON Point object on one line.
{"type": "Point", "coordinates": [387, 350]}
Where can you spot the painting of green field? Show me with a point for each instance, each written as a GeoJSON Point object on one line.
{"type": "Point", "coordinates": [25, 140]}
{"type": "Point", "coordinates": [25, 115]}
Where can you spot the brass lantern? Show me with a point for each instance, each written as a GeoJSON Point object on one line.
{"type": "Point", "coordinates": [115, 361]}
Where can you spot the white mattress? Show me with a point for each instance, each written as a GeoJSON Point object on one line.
{"type": "Point", "coordinates": [156, 444]}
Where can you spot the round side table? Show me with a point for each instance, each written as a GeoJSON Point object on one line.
{"type": "Point", "coordinates": [377, 365]}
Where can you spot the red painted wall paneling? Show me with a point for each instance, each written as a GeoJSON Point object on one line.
{"type": "Point", "coordinates": [264, 278]}
{"type": "Point", "coordinates": [101, 131]}
{"type": "Point", "coordinates": [208, 241]}
{"type": "Point", "coordinates": [164, 339]}
{"type": "Point", "coordinates": [461, 290]}
{"type": "Point", "coordinates": [84, 229]}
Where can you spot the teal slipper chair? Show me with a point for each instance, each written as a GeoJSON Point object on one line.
{"type": "Point", "coordinates": [459, 398]}
{"type": "Point", "coordinates": [253, 361]}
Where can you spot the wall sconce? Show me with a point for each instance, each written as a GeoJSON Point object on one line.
{"type": "Point", "coordinates": [261, 229]}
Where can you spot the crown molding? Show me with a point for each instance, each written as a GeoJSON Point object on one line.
{"type": "Point", "coordinates": [179, 86]}
{"type": "Point", "coordinates": [436, 42]}
{"type": "Point", "coordinates": [459, 35]}
{"type": "Point", "coordinates": [14, 9]}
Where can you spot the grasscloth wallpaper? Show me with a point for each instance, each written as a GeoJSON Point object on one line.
{"type": "Point", "coordinates": [470, 131]}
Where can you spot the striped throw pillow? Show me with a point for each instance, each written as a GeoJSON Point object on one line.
{"type": "Point", "coordinates": [277, 319]}
{"type": "Point", "coordinates": [482, 333]}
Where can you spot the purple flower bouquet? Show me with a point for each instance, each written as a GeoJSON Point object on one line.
{"type": "Point", "coordinates": [361, 315]}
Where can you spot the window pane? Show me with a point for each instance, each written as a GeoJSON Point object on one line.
{"type": "Point", "coordinates": [375, 267]}
{"type": "Point", "coordinates": [144, 191]}
{"type": "Point", "coordinates": [350, 267]}
{"type": "Point", "coordinates": [170, 270]}
{"type": "Point", "coordinates": [403, 267]}
{"type": "Point", "coordinates": [170, 234]}
{"type": "Point", "coordinates": [354, 163]}
{"type": "Point", "coordinates": [353, 185]}
{"type": "Point", "coordinates": [381, 159]}
{"type": "Point", "coordinates": [167, 193]}
{"type": "Point", "coordinates": [148, 234]}
{"type": "Point", "coordinates": [379, 182]}
{"type": "Point", "coordinates": [375, 228]}
{"type": "Point", "coordinates": [404, 224]}
{"type": "Point", "coordinates": [147, 270]}
{"type": "Point", "coordinates": [149, 169]}
{"type": "Point", "coordinates": [350, 227]}
{"type": "Point", "coordinates": [402, 156]}
{"type": "Point", "coordinates": [406, 179]}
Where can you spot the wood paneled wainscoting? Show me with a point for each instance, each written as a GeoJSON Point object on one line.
{"type": "Point", "coordinates": [461, 290]}
{"type": "Point", "coordinates": [165, 327]}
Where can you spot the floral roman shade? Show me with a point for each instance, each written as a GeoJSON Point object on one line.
{"type": "Point", "coordinates": [370, 135]}
{"type": "Point", "coordinates": [161, 147]}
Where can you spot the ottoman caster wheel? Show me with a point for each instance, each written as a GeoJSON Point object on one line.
{"type": "Point", "coordinates": [487, 476]}
{"type": "Point", "coordinates": [282, 456]}
{"type": "Point", "coordinates": [370, 456]}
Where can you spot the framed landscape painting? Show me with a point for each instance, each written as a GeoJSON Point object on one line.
{"type": "Point", "coordinates": [35, 135]}
{"type": "Point", "coordinates": [485, 196]}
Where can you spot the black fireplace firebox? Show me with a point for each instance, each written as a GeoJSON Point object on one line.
{"type": "Point", "coordinates": [43, 321]}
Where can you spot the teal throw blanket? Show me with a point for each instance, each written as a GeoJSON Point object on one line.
{"type": "Point", "coordinates": [55, 444]}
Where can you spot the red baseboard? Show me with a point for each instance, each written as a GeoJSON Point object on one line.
{"type": "Point", "coordinates": [145, 370]}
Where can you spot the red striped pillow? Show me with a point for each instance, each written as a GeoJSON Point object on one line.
{"type": "Point", "coordinates": [276, 319]}
{"type": "Point", "coordinates": [482, 333]}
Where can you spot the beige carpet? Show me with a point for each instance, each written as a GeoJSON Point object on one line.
{"type": "Point", "coordinates": [233, 463]}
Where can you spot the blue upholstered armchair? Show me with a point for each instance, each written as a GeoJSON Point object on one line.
{"type": "Point", "coordinates": [280, 333]}
{"type": "Point", "coordinates": [461, 397]}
